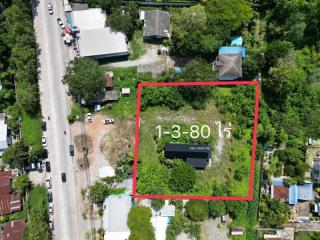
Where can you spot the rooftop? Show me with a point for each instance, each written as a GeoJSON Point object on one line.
{"type": "Point", "coordinates": [229, 66]}
{"type": "Point", "coordinates": [157, 23]}
{"type": "Point", "coordinates": [3, 134]}
{"type": "Point", "coordinates": [13, 230]}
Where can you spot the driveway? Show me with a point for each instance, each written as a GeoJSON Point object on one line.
{"type": "Point", "coordinates": [150, 56]}
{"type": "Point", "coordinates": [213, 230]}
{"type": "Point", "coordinates": [52, 59]}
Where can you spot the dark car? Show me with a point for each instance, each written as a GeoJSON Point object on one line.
{"type": "Point", "coordinates": [48, 167]}
{"type": "Point", "coordinates": [71, 148]}
{"type": "Point", "coordinates": [44, 126]}
{"type": "Point", "coordinates": [63, 177]}
{"type": "Point", "coordinates": [50, 199]}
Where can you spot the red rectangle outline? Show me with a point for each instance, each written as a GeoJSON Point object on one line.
{"type": "Point", "coordinates": [254, 140]}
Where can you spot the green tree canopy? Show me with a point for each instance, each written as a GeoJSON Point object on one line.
{"type": "Point", "coordinates": [197, 210]}
{"type": "Point", "coordinates": [85, 78]}
{"type": "Point", "coordinates": [98, 192]}
{"type": "Point", "coordinates": [139, 223]}
{"type": "Point", "coordinates": [182, 177]}
{"type": "Point", "coordinates": [225, 16]}
{"type": "Point", "coordinates": [216, 208]}
{"type": "Point", "coordinates": [22, 184]}
{"type": "Point", "coordinates": [27, 97]}
{"type": "Point", "coordinates": [17, 155]}
{"type": "Point", "coordinates": [157, 204]}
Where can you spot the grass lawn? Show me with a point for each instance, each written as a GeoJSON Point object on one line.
{"type": "Point", "coordinates": [31, 130]}
{"type": "Point", "coordinates": [136, 46]}
{"type": "Point", "coordinates": [38, 199]}
{"type": "Point", "coordinates": [14, 216]}
{"type": "Point", "coordinates": [307, 236]}
{"type": "Point", "coordinates": [77, 112]}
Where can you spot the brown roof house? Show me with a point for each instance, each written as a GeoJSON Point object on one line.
{"type": "Point", "coordinates": [9, 201]}
{"type": "Point", "coordinates": [156, 24]}
{"type": "Point", "coordinates": [12, 230]}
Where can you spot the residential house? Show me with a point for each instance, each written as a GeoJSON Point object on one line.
{"type": "Point", "coordinates": [115, 215]}
{"type": "Point", "coordinates": [9, 201]}
{"type": "Point", "coordinates": [315, 172]}
{"type": "Point", "coordinates": [156, 25]}
{"type": "Point", "coordinates": [196, 155]}
{"type": "Point", "coordinates": [5, 140]}
{"type": "Point", "coordinates": [12, 230]}
{"type": "Point", "coordinates": [229, 62]}
{"type": "Point", "coordinates": [279, 190]}
{"type": "Point", "coordinates": [281, 234]}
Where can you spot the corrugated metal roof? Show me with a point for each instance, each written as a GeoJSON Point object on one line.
{"type": "Point", "coordinates": [157, 23]}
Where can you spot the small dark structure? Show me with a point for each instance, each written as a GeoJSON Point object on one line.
{"type": "Point", "coordinates": [109, 81]}
{"type": "Point", "coordinates": [196, 155]}
{"type": "Point", "coordinates": [156, 25]}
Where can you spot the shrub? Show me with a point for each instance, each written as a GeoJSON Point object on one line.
{"type": "Point", "coordinates": [197, 210]}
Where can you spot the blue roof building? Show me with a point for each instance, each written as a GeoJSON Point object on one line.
{"type": "Point", "coordinates": [236, 41]}
{"type": "Point", "coordinates": [300, 192]}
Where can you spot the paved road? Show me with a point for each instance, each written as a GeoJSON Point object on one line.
{"type": "Point", "coordinates": [53, 57]}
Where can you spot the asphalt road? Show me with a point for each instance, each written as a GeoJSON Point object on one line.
{"type": "Point", "coordinates": [53, 57]}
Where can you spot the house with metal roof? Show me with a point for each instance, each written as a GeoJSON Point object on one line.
{"type": "Point", "coordinates": [229, 62]}
{"type": "Point", "coordinates": [115, 216]}
{"type": "Point", "coordinates": [196, 155]}
{"type": "Point", "coordinates": [302, 192]}
{"type": "Point", "coordinates": [95, 40]}
{"type": "Point", "coordinates": [156, 24]}
{"type": "Point", "coordinates": [12, 230]}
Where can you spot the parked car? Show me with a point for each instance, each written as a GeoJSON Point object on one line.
{"type": "Point", "coordinates": [44, 141]}
{"type": "Point", "coordinates": [51, 224]}
{"type": "Point", "coordinates": [50, 199]}
{"type": "Point", "coordinates": [39, 166]}
{"type": "Point", "coordinates": [75, 29]}
{"type": "Point", "coordinates": [50, 8]}
{"type": "Point", "coordinates": [223, 219]}
{"type": "Point", "coordinates": [89, 117]}
{"type": "Point", "coordinates": [63, 177]}
{"type": "Point", "coordinates": [44, 126]}
{"type": "Point", "coordinates": [48, 167]}
{"type": "Point", "coordinates": [60, 23]}
{"type": "Point", "coordinates": [71, 148]}
{"type": "Point", "coordinates": [50, 209]}
{"type": "Point", "coordinates": [48, 182]}
{"type": "Point", "coordinates": [108, 121]}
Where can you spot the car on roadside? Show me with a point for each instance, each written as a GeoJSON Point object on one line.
{"type": "Point", "coordinates": [48, 167]}
{"type": "Point", "coordinates": [71, 149]}
{"type": "Point", "coordinates": [223, 219]}
{"type": "Point", "coordinates": [44, 141]}
{"type": "Point", "coordinates": [50, 208]}
{"type": "Point", "coordinates": [44, 126]}
{"type": "Point", "coordinates": [63, 177]}
{"type": "Point", "coordinates": [51, 224]}
{"type": "Point", "coordinates": [108, 121]}
{"type": "Point", "coordinates": [89, 117]}
{"type": "Point", "coordinates": [75, 29]}
{"type": "Point", "coordinates": [60, 23]}
{"type": "Point", "coordinates": [50, 8]}
{"type": "Point", "coordinates": [50, 198]}
{"type": "Point", "coordinates": [49, 183]}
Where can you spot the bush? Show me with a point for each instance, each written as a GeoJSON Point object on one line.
{"type": "Point", "coordinates": [140, 224]}
{"type": "Point", "coordinates": [197, 210]}
{"type": "Point", "coordinates": [157, 204]}
{"type": "Point", "coordinates": [182, 177]}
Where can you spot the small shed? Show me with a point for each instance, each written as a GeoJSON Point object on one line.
{"type": "Point", "coordinates": [109, 80]}
{"type": "Point", "coordinates": [125, 92]}
{"type": "Point", "coordinates": [236, 231]}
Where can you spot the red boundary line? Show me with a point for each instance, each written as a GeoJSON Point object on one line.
{"type": "Point", "coordinates": [254, 140]}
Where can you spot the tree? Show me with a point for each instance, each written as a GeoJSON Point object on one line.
{"type": "Point", "coordinates": [216, 208]}
{"type": "Point", "coordinates": [140, 224]}
{"type": "Point", "coordinates": [225, 16]}
{"type": "Point", "coordinates": [17, 155]}
{"type": "Point", "coordinates": [157, 204]}
{"type": "Point", "coordinates": [85, 79]}
{"type": "Point", "coordinates": [98, 192]}
{"type": "Point", "coordinates": [197, 210]}
{"type": "Point", "coordinates": [276, 50]}
{"type": "Point", "coordinates": [182, 177]}
{"type": "Point", "coordinates": [27, 97]}
{"type": "Point", "coordinates": [189, 32]}
{"type": "Point", "coordinates": [22, 184]}
{"type": "Point", "coordinates": [122, 22]}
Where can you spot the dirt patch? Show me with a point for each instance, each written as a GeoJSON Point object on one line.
{"type": "Point", "coordinates": [83, 143]}
{"type": "Point", "coordinates": [118, 141]}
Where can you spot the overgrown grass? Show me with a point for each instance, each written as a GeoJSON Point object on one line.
{"type": "Point", "coordinates": [77, 112]}
{"type": "Point", "coordinates": [307, 236]}
{"type": "Point", "coordinates": [38, 199]}
{"type": "Point", "coordinates": [136, 45]}
{"type": "Point", "coordinates": [21, 215]}
{"type": "Point", "coordinates": [31, 130]}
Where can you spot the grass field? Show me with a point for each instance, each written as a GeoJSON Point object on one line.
{"type": "Point", "coordinates": [31, 130]}
{"type": "Point", "coordinates": [307, 236]}
{"type": "Point", "coordinates": [222, 170]}
{"type": "Point", "coordinates": [136, 46]}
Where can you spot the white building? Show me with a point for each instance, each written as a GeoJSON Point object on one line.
{"type": "Point", "coordinates": [96, 40]}
{"type": "Point", "coordinates": [115, 216]}
{"type": "Point", "coordinates": [3, 134]}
